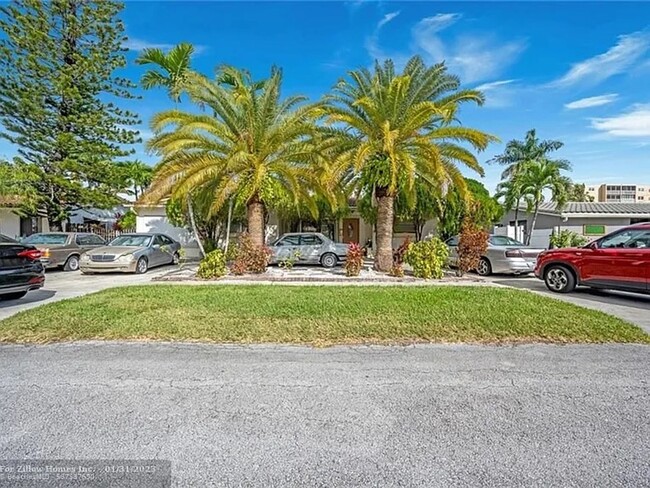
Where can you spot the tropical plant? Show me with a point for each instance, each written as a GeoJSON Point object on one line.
{"type": "Point", "coordinates": [126, 221]}
{"type": "Point", "coordinates": [516, 157]}
{"type": "Point", "coordinates": [136, 175]}
{"type": "Point", "coordinates": [213, 265]}
{"type": "Point", "coordinates": [539, 177]}
{"type": "Point", "coordinates": [288, 262]}
{"type": "Point", "coordinates": [250, 258]}
{"type": "Point", "coordinates": [170, 70]}
{"type": "Point", "coordinates": [577, 192]}
{"type": "Point", "coordinates": [567, 238]}
{"type": "Point", "coordinates": [254, 147]}
{"type": "Point", "coordinates": [397, 269]}
{"type": "Point", "coordinates": [353, 260]}
{"type": "Point", "coordinates": [387, 129]}
{"type": "Point", "coordinates": [427, 258]}
{"type": "Point", "coordinates": [472, 245]}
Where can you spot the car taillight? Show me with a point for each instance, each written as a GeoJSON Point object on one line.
{"type": "Point", "coordinates": [513, 253]}
{"type": "Point", "coordinates": [32, 254]}
{"type": "Point", "coordinates": [45, 253]}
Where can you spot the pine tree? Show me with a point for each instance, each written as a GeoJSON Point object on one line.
{"type": "Point", "coordinates": [59, 95]}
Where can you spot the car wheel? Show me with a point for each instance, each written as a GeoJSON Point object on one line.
{"type": "Point", "coordinates": [328, 260]}
{"type": "Point", "coordinates": [484, 267]}
{"type": "Point", "coordinates": [72, 263]}
{"type": "Point", "coordinates": [13, 296]}
{"type": "Point", "coordinates": [559, 279]}
{"type": "Point", "coordinates": [142, 266]}
{"type": "Point", "coordinates": [176, 258]}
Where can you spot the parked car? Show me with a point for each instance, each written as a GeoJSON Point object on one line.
{"type": "Point", "coordinates": [20, 269]}
{"type": "Point", "coordinates": [64, 249]}
{"type": "Point", "coordinates": [618, 261]}
{"type": "Point", "coordinates": [132, 253]}
{"type": "Point", "coordinates": [504, 255]}
{"type": "Point", "coordinates": [313, 248]}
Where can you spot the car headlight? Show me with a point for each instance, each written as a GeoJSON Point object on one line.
{"type": "Point", "coordinates": [125, 258]}
{"type": "Point", "coordinates": [85, 258]}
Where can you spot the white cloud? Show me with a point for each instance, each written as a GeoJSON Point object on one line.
{"type": "Point", "coordinates": [500, 94]}
{"type": "Point", "coordinates": [634, 123]}
{"type": "Point", "coordinates": [592, 101]}
{"type": "Point", "coordinates": [135, 44]}
{"type": "Point", "coordinates": [387, 18]}
{"type": "Point", "coordinates": [493, 85]}
{"type": "Point", "coordinates": [618, 59]}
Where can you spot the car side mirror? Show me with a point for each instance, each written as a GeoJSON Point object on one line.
{"type": "Point", "coordinates": [592, 245]}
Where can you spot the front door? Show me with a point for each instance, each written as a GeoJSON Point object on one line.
{"type": "Point", "coordinates": [350, 231]}
{"type": "Point", "coordinates": [620, 260]}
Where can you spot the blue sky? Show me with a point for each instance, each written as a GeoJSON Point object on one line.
{"type": "Point", "coordinates": [578, 72]}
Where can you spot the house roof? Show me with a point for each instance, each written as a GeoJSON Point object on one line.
{"type": "Point", "coordinates": [588, 209]}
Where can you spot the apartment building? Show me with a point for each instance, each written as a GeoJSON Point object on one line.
{"type": "Point", "coordinates": [619, 193]}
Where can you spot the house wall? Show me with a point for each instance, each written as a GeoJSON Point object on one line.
{"type": "Point", "coordinates": [154, 219]}
{"type": "Point", "coordinates": [9, 223]}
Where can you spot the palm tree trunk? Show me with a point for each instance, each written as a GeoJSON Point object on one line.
{"type": "Point", "coordinates": [228, 225]}
{"type": "Point", "coordinates": [384, 256]}
{"type": "Point", "coordinates": [190, 210]}
{"type": "Point", "coordinates": [517, 220]}
{"type": "Point", "coordinates": [532, 224]}
{"type": "Point", "coordinates": [255, 215]}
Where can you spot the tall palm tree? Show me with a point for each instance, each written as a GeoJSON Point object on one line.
{"type": "Point", "coordinates": [387, 128]}
{"type": "Point", "coordinates": [511, 192]}
{"type": "Point", "coordinates": [170, 69]}
{"type": "Point", "coordinates": [540, 176]}
{"type": "Point", "coordinates": [254, 146]}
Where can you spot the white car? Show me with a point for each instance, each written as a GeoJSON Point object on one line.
{"type": "Point", "coordinates": [310, 248]}
{"type": "Point", "coordinates": [504, 255]}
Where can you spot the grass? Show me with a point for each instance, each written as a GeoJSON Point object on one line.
{"type": "Point", "coordinates": [316, 315]}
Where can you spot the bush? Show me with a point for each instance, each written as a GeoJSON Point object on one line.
{"type": "Point", "coordinates": [288, 262]}
{"type": "Point", "coordinates": [213, 265]}
{"type": "Point", "coordinates": [126, 222]}
{"type": "Point", "coordinates": [397, 270]}
{"type": "Point", "coordinates": [354, 260]}
{"type": "Point", "coordinates": [427, 258]}
{"type": "Point", "coordinates": [567, 238]}
{"type": "Point", "coordinates": [249, 257]}
{"type": "Point", "coordinates": [398, 254]}
{"type": "Point", "coordinates": [472, 245]}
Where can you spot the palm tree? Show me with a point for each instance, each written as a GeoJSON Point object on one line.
{"type": "Point", "coordinates": [387, 129]}
{"type": "Point", "coordinates": [510, 191]}
{"type": "Point", "coordinates": [538, 177]}
{"type": "Point", "coordinates": [255, 146]}
{"type": "Point", "coordinates": [170, 69]}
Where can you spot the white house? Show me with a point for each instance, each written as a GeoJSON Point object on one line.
{"type": "Point", "coordinates": [13, 225]}
{"type": "Point", "coordinates": [589, 219]}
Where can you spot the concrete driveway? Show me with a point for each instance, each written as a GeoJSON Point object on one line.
{"type": "Point", "coordinates": [632, 307]}
{"type": "Point", "coordinates": [269, 416]}
{"type": "Point", "coordinates": [60, 285]}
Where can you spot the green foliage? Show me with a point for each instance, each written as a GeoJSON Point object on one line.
{"type": "Point", "coordinates": [250, 258]}
{"type": "Point", "coordinates": [354, 260]}
{"type": "Point", "coordinates": [127, 221]}
{"type": "Point", "coordinates": [135, 177]}
{"type": "Point", "coordinates": [577, 192]}
{"type": "Point", "coordinates": [17, 187]}
{"type": "Point", "coordinates": [59, 100]}
{"type": "Point", "coordinates": [213, 265]}
{"type": "Point", "coordinates": [170, 69]}
{"type": "Point", "coordinates": [476, 203]}
{"type": "Point", "coordinates": [427, 258]}
{"type": "Point", "coordinates": [473, 244]}
{"type": "Point", "coordinates": [288, 262]}
{"type": "Point", "coordinates": [567, 238]}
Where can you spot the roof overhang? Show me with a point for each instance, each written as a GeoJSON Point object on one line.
{"type": "Point", "coordinates": [606, 215]}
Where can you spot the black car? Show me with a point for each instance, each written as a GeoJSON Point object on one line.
{"type": "Point", "coordinates": [20, 269]}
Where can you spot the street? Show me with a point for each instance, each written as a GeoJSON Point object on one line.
{"type": "Point", "coordinates": [454, 415]}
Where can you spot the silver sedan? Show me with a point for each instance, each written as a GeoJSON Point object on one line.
{"type": "Point", "coordinates": [131, 253]}
{"type": "Point", "coordinates": [504, 255]}
{"type": "Point", "coordinates": [308, 248]}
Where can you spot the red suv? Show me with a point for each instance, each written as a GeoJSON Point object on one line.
{"type": "Point", "coordinates": [618, 261]}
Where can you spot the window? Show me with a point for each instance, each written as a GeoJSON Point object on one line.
{"type": "Point", "coordinates": [310, 240]}
{"type": "Point", "coordinates": [158, 241]}
{"type": "Point", "coordinates": [640, 189]}
{"type": "Point", "coordinates": [591, 188]}
{"type": "Point", "coordinates": [406, 227]}
{"type": "Point", "coordinates": [89, 240]}
{"type": "Point", "coordinates": [452, 241]}
{"type": "Point", "coordinates": [166, 240]}
{"type": "Point", "coordinates": [628, 239]}
{"type": "Point", "coordinates": [132, 240]}
{"type": "Point", "coordinates": [293, 240]}
{"type": "Point", "coordinates": [641, 198]}
{"type": "Point", "coordinates": [504, 241]}
{"type": "Point", "coordinates": [47, 239]}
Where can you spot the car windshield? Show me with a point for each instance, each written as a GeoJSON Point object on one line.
{"type": "Point", "coordinates": [50, 239]}
{"type": "Point", "coordinates": [504, 241]}
{"type": "Point", "coordinates": [131, 241]}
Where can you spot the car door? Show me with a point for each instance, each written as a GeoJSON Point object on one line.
{"type": "Point", "coordinates": [167, 248]}
{"type": "Point", "coordinates": [158, 255]}
{"type": "Point", "coordinates": [452, 245]}
{"type": "Point", "coordinates": [310, 248]}
{"type": "Point", "coordinates": [285, 247]}
{"type": "Point", "coordinates": [619, 260]}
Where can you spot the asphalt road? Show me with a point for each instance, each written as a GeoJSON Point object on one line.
{"type": "Point", "coordinates": [633, 307]}
{"type": "Point", "coordinates": [347, 416]}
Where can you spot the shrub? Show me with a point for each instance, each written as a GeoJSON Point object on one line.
{"type": "Point", "coordinates": [398, 254]}
{"type": "Point", "coordinates": [213, 265]}
{"type": "Point", "coordinates": [354, 260]}
{"type": "Point", "coordinates": [397, 270]}
{"type": "Point", "coordinates": [567, 238]}
{"type": "Point", "coordinates": [472, 245]}
{"type": "Point", "coordinates": [231, 252]}
{"type": "Point", "coordinates": [249, 257]}
{"type": "Point", "coordinates": [288, 262]}
{"type": "Point", "coordinates": [427, 258]}
{"type": "Point", "coordinates": [125, 222]}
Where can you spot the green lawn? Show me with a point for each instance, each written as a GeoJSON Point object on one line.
{"type": "Point", "coordinates": [316, 315]}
